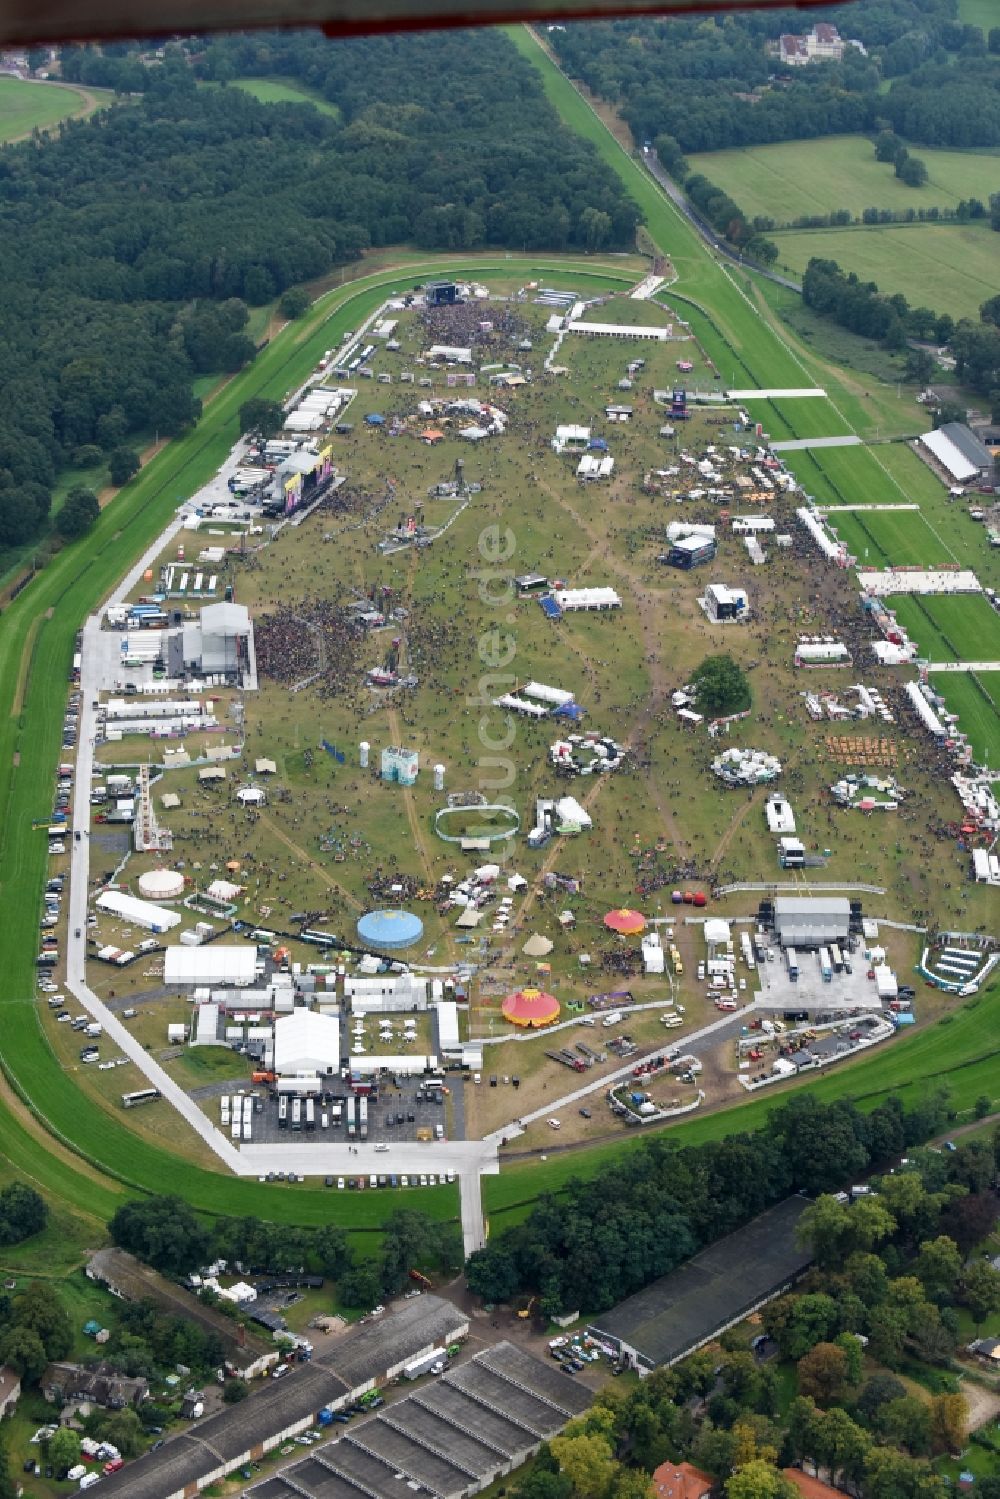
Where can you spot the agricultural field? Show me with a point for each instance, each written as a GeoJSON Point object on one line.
{"type": "Point", "coordinates": [795, 178]}
{"type": "Point", "coordinates": [949, 267]}
{"type": "Point", "coordinates": [975, 697]}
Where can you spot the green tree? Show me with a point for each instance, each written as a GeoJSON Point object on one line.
{"type": "Point", "coordinates": [294, 302]}
{"type": "Point", "coordinates": [912, 171]}
{"type": "Point", "coordinates": [23, 1212]}
{"type": "Point", "coordinates": [332, 1251]}
{"type": "Point", "coordinates": [877, 1392]}
{"type": "Point", "coordinates": [122, 464]}
{"type": "Point", "coordinates": [938, 1266]}
{"type": "Point", "coordinates": [907, 1423]}
{"type": "Point", "coordinates": [919, 366]}
{"type": "Point", "coordinates": [758, 1479]}
{"type": "Point", "coordinates": [38, 1309]}
{"type": "Point", "coordinates": [823, 1228]}
{"type": "Point", "coordinates": [163, 1231]}
{"type": "Point", "coordinates": [981, 1290]}
{"type": "Point", "coordinates": [25, 1352]}
{"type": "Point", "coordinates": [949, 1419]}
{"type": "Point", "coordinates": [234, 1390]}
{"type": "Point", "coordinates": [64, 1448]}
{"type": "Point", "coordinates": [80, 510]}
{"type": "Point", "coordinates": [722, 685]}
{"type": "Point", "coordinates": [262, 416]}
{"type": "Point", "coordinates": [822, 1374]}
{"type": "Point", "coordinates": [124, 1430]}
{"type": "Point", "coordinates": [587, 1462]}
{"type": "Point", "coordinates": [889, 1325]}
{"type": "Point", "coordinates": [888, 147]}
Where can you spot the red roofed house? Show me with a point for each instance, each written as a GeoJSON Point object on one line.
{"type": "Point", "coordinates": [810, 1487]}
{"type": "Point", "coordinates": [681, 1481]}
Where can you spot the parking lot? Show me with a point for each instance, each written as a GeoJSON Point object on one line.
{"type": "Point", "coordinates": [844, 994]}
{"type": "Point", "coordinates": [401, 1105]}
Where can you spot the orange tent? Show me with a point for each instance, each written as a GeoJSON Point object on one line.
{"type": "Point", "coordinates": [530, 1007]}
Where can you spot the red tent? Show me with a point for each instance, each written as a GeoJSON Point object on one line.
{"type": "Point", "coordinates": [628, 923]}
{"type": "Point", "coordinates": [530, 1007]}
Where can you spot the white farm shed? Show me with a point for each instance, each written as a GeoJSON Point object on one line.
{"type": "Point", "coordinates": [142, 912]}
{"type": "Point", "coordinates": [306, 1043]}
{"type": "Point", "coordinates": [210, 965]}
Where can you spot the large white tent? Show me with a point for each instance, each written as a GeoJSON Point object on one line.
{"type": "Point", "coordinates": [141, 912]}
{"type": "Point", "coordinates": [210, 964]}
{"type": "Point", "coordinates": [305, 1042]}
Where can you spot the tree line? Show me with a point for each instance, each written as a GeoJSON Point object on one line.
{"type": "Point", "coordinates": [165, 1232]}
{"type": "Point", "coordinates": [861, 307]}
{"type": "Point", "coordinates": [602, 1239]}
{"type": "Point", "coordinates": [892, 1270]}
{"type": "Point", "coordinates": [713, 83]}
{"type": "Point", "coordinates": [134, 243]}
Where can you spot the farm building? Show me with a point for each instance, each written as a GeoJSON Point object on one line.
{"type": "Point", "coordinates": [475, 1424]}
{"type": "Point", "coordinates": [365, 1358]}
{"type": "Point", "coordinates": [306, 1043]}
{"type": "Point", "coordinates": [210, 965]}
{"type": "Point", "coordinates": [141, 912]}
{"type": "Point", "coordinates": [689, 1307]}
{"type": "Point", "coordinates": [958, 450]}
{"type": "Point", "coordinates": [811, 921]}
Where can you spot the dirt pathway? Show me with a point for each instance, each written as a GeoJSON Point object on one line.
{"type": "Point", "coordinates": [731, 831]}
{"type": "Point", "coordinates": [293, 847]}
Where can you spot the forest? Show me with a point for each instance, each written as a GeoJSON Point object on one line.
{"type": "Point", "coordinates": [640, 1217]}
{"type": "Point", "coordinates": [133, 243]}
{"type": "Point", "coordinates": [852, 1375]}
{"type": "Point", "coordinates": [711, 83]}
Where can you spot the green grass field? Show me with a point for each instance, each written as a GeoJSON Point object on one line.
{"type": "Point", "coordinates": [949, 267]}
{"type": "Point", "coordinates": [276, 91]}
{"type": "Point", "coordinates": [981, 13]}
{"type": "Point", "coordinates": [963, 626]}
{"type": "Point", "coordinates": [25, 106]}
{"type": "Point", "coordinates": [976, 715]}
{"type": "Point", "coordinates": [900, 538]}
{"type": "Point", "coordinates": [796, 178]}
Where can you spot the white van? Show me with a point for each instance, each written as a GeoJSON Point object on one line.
{"type": "Point", "coordinates": [614, 1018]}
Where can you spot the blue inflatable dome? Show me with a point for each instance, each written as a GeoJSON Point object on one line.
{"type": "Point", "coordinates": [390, 929]}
